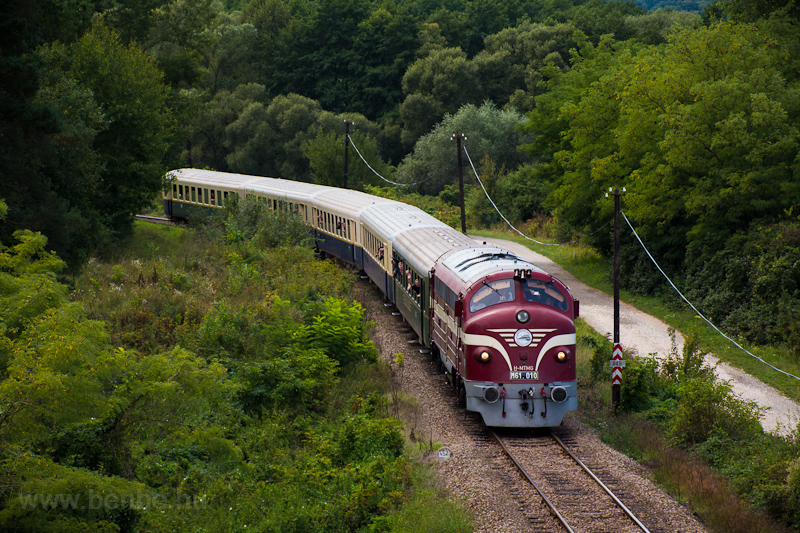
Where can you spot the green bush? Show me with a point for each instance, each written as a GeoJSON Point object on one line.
{"type": "Point", "coordinates": [641, 384]}
{"type": "Point", "coordinates": [600, 370]}
{"type": "Point", "coordinates": [339, 330]}
{"type": "Point", "coordinates": [59, 499]}
{"type": "Point", "coordinates": [295, 379]}
{"type": "Point", "coordinates": [708, 406]}
{"type": "Point", "coordinates": [361, 437]}
{"type": "Point", "coordinates": [251, 221]}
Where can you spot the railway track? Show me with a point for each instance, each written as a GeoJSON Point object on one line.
{"type": "Point", "coordinates": [154, 220]}
{"type": "Point", "coordinates": [580, 498]}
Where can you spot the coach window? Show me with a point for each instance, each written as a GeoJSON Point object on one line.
{"type": "Point", "coordinates": [180, 192]}
{"type": "Point", "coordinates": [413, 284]}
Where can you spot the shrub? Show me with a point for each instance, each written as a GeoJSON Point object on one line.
{"type": "Point", "coordinates": [55, 498]}
{"type": "Point", "coordinates": [361, 437]}
{"type": "Point", "coordinates": [340, 332]}
{"type": "Point", "coordinates": [641, 384]}
{"type": "Point", "coordinates": [295, 379]}
{"type": "Point", "coordinates": [708, 406]}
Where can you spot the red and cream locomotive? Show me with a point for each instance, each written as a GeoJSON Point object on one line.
{"type": "Point", "coordinates": [502, 328]}
{"type": "Point", "coordinates": [505, 332]}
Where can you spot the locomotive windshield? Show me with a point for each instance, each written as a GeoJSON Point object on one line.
{"type": "Point", "coordinates": [492, 293]}
{"type": "Point", "coordinates": [544, 292]}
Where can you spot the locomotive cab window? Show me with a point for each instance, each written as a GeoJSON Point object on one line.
{"type": "Point", "coordinates": [544, 292]}
{"type": "Point", "coordinates": [493, 293]}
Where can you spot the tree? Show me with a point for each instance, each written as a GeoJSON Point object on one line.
{"type": "Point", "coordinates": [128, 85]}
{"type": "Point", "coordinates": [654, 27]}
{"type": "Point", "coordinates": [325, 154]}
{"type": "Point", "coordinates": [701, 132]}
{"type": "Point", "coordinates": [229, 59]}
{"type": "Point", "coordinates": [511, 62]}
{"type": "Point", "coordinates": [41, 113]}
{"type": "Point", "coordinates": [385, 44]}
{"type": "Point", "coordinates": [435, 85]}
{"type": "Point", "coordinates": [753, 10]}
{"type": "Point", "coordinates": [490, 132]}
{"type": "Point", "coordinates": [182, 33]}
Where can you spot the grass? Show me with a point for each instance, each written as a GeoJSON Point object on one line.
{"type": "Point", "coordinates": [591, 269]}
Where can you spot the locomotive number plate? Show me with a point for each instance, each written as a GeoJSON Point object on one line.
{"type": "Point", "coordinates": [524, 375]}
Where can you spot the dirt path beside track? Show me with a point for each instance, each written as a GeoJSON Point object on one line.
{"type": "Point", "coordinates": [648, 335]}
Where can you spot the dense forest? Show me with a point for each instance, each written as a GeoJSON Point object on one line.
{"type": "Point", "coordinates": [695, 113]}
{"type": "Point", "coordinates": [692, 106]}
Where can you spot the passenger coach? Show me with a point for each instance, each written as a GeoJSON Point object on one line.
{"type": "Point", "coordinates": [501, 328]}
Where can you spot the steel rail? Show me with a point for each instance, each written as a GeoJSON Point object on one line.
{"type": "Point", "coordinates": [154, 220]}
{"type": "Point", "coordinates": [531, 481]}
{"type": "Point", "coordinates": [606, 489]}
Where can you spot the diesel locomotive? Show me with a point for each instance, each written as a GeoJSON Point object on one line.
{"type": "Point", "coordinates": [501, 328]}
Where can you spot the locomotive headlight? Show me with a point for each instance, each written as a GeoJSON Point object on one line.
{"type": "Point", "coordinates": [523, 316]}
{"type": "Point", "coordinates": [482, 355]}
{"type": "Point", "coordinates": [562, 356]}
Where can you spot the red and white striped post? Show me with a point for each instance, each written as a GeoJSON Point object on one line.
{"type": "Point", "coordinates": [617, 364]}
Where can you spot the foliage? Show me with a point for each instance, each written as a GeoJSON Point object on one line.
{"type": "Point", "coordinates": [682, 5]}
{"type": "Point", "coordinates": [295, 378]}
{"type": "Point", "coordinates": [708, 406]}
{"type": "Point", "coordinates": [326, 158]}
{"type": "Point", "coordinates": [662, 167]}
{"type": "Point", "coordinates": [490, 133]}
{"type": "Point", "coordinates": [128, 85]}
{"type": "Point", "coordinates": [266, 410]}
{"type": "Point", "coordinates": [339, 332]}
{"type": "Point", "coordinates": [55, 498]}
{"type": "Point", "coordinates": [513, 58]}
{"type": "Point", "coordinates": [756, 284]}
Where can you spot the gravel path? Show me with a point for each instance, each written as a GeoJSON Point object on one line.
{"type": "Point", "coordinates": [648, 335]}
